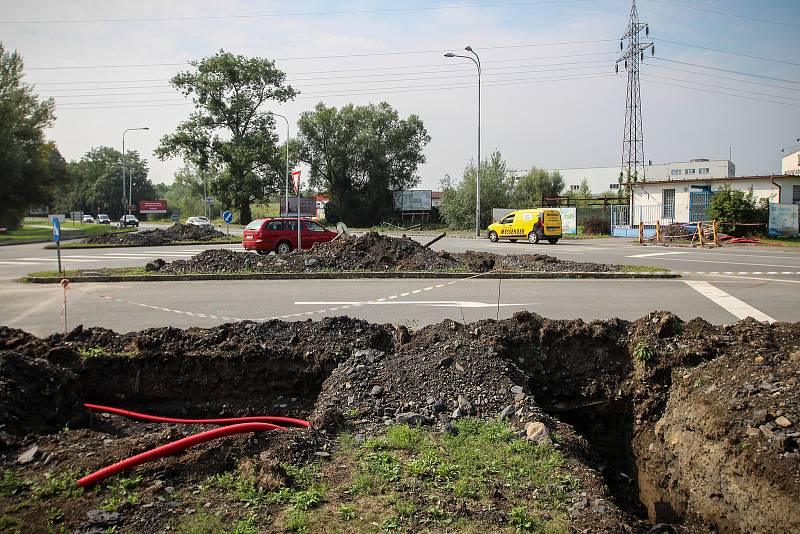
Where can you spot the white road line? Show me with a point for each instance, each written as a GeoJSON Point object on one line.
{"type": "Point", "coordinates": [733, 263]}
{"type": "Point", "coordinates": [731, 304]}
{"type": "Point", "coordinates": [20, 263]}
{"type": "Point", "coordinates": [763, 279]}
{"type": "Point", "coordinates": [653, 254]}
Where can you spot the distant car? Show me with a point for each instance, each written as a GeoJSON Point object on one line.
{"type": "Point", "coordinates": [103, 219]}
{"type": "Point", "coordinates": [280, 235]}
{"type": "Point", "coordinates": [200, 221]}
{"type": "Point", "coordinates": [128, 220]}
{"type": "Point", "coordinates": [88, 219]}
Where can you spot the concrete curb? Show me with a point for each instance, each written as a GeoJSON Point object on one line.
{"type": "Point", "coordinates": [354, 275]}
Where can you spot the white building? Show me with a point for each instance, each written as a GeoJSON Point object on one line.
{"type": "Point", "coordinates": [603, 179]}
{"type": "Point", "coordinates": [686, 199]}
{"type": "Point", "coordinates": [790, 165]}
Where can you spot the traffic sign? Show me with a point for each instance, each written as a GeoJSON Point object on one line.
{"type": "Point", "coordinates": [209, 200]}
{"type": "Point", "coordinates": [227, 217]}
{"type": "Point", "coordinates": [56, 230]}
{"type": "Point", "coordinates": [296, 181]}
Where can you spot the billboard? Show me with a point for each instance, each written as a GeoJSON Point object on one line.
{"type": "Point", "coordinates": [783, 220]}
{"type": "Point", "coordinates": [416, 200]}
{"type": "Point", "coordinates": [308, 207]}
{"type": "Point", "coordinates": [152, 206]}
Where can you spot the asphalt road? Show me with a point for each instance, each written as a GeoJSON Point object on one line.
{"type": "Point", "coordinates": [756, 281]}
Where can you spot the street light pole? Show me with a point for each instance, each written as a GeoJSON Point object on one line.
{"type": "Point", "coordinates": [477, 61]}
{"type": "Point", "coordinates": [286, 195]}
{"type": "Point", "coordinates": [126, 202]}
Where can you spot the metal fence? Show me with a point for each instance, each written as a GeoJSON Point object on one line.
{"type": "Point", "coordinates": [625, 222]}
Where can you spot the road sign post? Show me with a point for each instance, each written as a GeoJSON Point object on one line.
{"type": "Point", "coordinates": [57, 239]}
{"type": "Point", "coordinates": [296, 181]}
{"type": "Point", "coordinates": [228, 218]}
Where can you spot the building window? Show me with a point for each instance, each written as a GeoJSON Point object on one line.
{"type": "Point", "coordinates": [668, 211]}
{"type": "Point", "coordinates": [613, 186]}
{"type": "Point", "coordinates": [574, 188]}
{"type": "Point", "coordinates": [704, 170]}
{"type": "Point", "coordinates": [689, 171]}
{"type": "Point", "coordinates": [675, 172]}
{"type": "Point", "coordinates": [795, 195]}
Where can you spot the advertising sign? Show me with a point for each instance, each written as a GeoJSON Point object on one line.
{"type": "Point", "coordinates": [308, 207]}
{"type": "Point", "coordinates": [783, 220]}
{"type": "Point", "coordinates": [569, 220]}
{"type": "Point", "coordinates": [416, 200]}
{"type": "Point", "coordinates": [152, 206]}
{"type": "Point", "coordinates": [296, 181]}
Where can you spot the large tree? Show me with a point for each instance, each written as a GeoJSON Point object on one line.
{"type": "Point", "coordinates": [458, 200]}
{"type": "Point", "coordinates": [25, 176]}
{"type": "Point", "coordinates": [535, 184]}
{"type": "Point", "coordinates": [229, 129]}
{"type": "Point", "coordinates": [360, 154]}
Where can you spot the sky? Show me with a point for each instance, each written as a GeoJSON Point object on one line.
{"type": "Point", "coordinates": [550, 96]}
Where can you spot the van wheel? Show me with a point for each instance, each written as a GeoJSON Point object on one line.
{"type": "Point", "coordinates": [284, 247]}
{"type": "Point", "coordinates": [493, 236]}
{"type": "Point", "coordinates": [552, 241]}
{"type": "Point", "coordinates": [533, 237]}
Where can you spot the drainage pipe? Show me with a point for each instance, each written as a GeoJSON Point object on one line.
{"type": "Point", "coordinates": [172, 448]}
{"type": "Point", "coordinates": [224, 421]}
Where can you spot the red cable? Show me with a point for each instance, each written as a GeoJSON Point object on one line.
{"type": "Point", "coordinates": [224, 421]}
{"type": "Point", "coordinates": [172, 448]}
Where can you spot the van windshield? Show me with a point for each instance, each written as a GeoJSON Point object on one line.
{"type": "Point", "coordinates": [508, 219]}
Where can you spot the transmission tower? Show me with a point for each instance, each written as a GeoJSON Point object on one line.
{"type": "Point", "coordinates": [633, 141]}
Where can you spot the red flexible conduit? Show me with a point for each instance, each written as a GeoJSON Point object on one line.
{"type": "Point", "coordinates": [225, 421]}
{"type": "Point", "coordinates": [172, 448]}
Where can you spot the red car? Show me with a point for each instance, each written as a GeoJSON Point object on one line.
{"type": "Point", "coordinates": [280, 235]}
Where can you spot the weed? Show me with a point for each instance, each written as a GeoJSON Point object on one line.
{"type": "Point", "coordinates": [390, 524]}
{"type": "Point", "coordinates": [347, 512]}
{"type": "Point", "coordinates": [644, 353]}
{"type": "Point", "coordinates": [405, 508]}
{"type": "Point", "coordinates": [122, 494]}
{"type": "Point", "coordinates": [201, 523]}
{"type": "Point", "coordinates": [62, 485]}
{"type": "Point", "coordinates": [522, 520]}
{"type": "Point", "coordinates": [13, 484]}
{"type": "Point", "coordinates": [91, 352]}
{"type": "Point", "coordinates": [297, 520]}
{"type": "Point", "coordinates": [248, 525]}
{"type": "Point", "coordinates": [240, 486]}
{"type": "Point", "coordinates": [352, 413]}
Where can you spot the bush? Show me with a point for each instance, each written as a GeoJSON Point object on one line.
{"type": "Point", "coordinates": [734, 208]}
{"type": "Point", "coordinates": [596, 226]}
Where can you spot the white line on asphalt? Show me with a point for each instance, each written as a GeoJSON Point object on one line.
{"type": "Point", "coordinates": [19, 263]}
{"type": "Point", "coordinates": [434, 303]}
{"type": "Point", "coordinates": [763, 279]}
{"type": "Point", "coordinates": [655, 254]}
{"type": "Point", "coordinates": [731, 304]}
{"type": "Point", "coordinates": [734, 263]}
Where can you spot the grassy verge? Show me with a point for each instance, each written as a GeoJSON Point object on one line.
{"type": "Point", "coordinates": [36, 234]}
{"type": "Point", "coordinates": [782, 241]}
{"type": "Point", "coordinates": [642, 269]}
{"type": "Point", "coordinates": [479, 478]}
{"type": "Point", "coordinates": [105, 271]}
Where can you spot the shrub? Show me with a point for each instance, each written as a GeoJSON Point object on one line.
{"type": "Point", "coordinates": [596, 226]}
{"type": "Point", "coordinates": [733, 208]}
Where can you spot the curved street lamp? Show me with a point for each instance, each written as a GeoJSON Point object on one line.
{"type": "Point", "coordinates": [126, 202]}
{"type": "Point", "coordinates": [286, 197]}
{"type": "Point", "coordinates": [477, 61]}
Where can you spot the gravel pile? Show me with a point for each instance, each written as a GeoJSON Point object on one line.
{"type": "Point", "coordinates": [157, 236]}
{"type": "Point", "coordinates": [373, 252]}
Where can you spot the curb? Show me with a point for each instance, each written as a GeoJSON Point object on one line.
{"type": "Point", "coordinates": [182, 244]}
{"type": "Point", "coordinates": [355, 275]}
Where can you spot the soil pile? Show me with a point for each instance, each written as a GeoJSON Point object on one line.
{"type": "Point", "coordinates": [373, 252]}
{"type": "Point", "coordinates": [157, 236]}
{"type": "Point", "coordinates": [687, 424]}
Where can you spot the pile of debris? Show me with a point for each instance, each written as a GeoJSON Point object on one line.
{"type": "Point", "coordinates": [373, 252]}
{"type": "Point", "coordinates": [157, 236]}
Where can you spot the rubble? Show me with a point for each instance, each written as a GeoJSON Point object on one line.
{"type": "Point", "coordinates": [156, 237]}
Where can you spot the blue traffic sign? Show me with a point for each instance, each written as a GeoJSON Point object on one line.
{"type": "Point", "coordinates": [227, 217]}
{"type": "Point", "coordinates": [56, 230]}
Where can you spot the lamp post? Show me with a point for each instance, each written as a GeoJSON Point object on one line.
{"type": "Point", "coordinates": [477, 61]}
{"type": "Point", "coordinates": [126, 202]}
{"type": "Point", "coordinates": [286, 196]}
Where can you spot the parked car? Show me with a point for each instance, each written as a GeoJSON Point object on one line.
{"type": "Point", "coordinates": [88, 219]}
{"type": "Point", "coordinates": [280, 235]}
{"type": "Point", "coordinates": [128, 220]}
{"type": "Point", "coordinates": [200, 221]}
{"type": "Point", "coordinates": [103, 219]}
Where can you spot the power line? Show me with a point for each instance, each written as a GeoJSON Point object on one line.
{"type": "Point", "coordinates": [728, 52]}
{"type": "Point", "coordinates": [726, 70]}
{"type": "Point", "coordinates": [725, 94]}
{"type": "Point", "coordinates": [334, 56]}
{"type": "Point", "coordinates": [757, 19]}
{"type": "Point", "coordinates": [719, 76]}
{"type": "Point", "coordinates": [724, 88]}
{"type": "Point", "coordinates": [296, 14]}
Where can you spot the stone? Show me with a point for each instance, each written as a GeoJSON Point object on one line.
{"type": "Point", "coordinates": [516, 389]}
{"type": "Point", "coordinates": [795, 356]}
{"type": "Point", "coordinates": [759, 416]}
{"type": "Point", "coordinates": [430, 401]}
{"type": "Point", "coordinates": [537, 431]}
{"type": "Point", "coordinates": [459, 367]}
{"type": "Point", "coordinates": [759, 360]}
{"type": "Point", "coordinates": [519, 397]}
{"type": "Point", "coordinates": [507, 412]}
{"type": "Point", "coordinates": [322, 454]}
{"type": "Point", "coordinates": [456, 413]}
{"type": "Point", "coordinates": [439, 407]}
{"type": "Point", "coordinates": [411, 418]}
{"type": "Point", "coordinates": [783, 422]}
{"type": "Point", "coordinates": [311, 263]}
{"type": "Point", "coordinates": [28, 456]}
{"type": "Point", "coordinates": [752, 432]}
{"type": "Point", "coordinates": [103, 518]}
{"type": "Point", "coordinates": [377, 391]}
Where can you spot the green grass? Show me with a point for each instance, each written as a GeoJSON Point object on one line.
{"type": "Point", "coordinates": [105, 271]}
{"type": "Point", "coordinates": [232, 240]}
{"type": "Point", "coordinates": [29, 233]}
{"type": "Point", "coordinates": [13, 484]}
{"type": "Point", "coordinates": [642, 269]}
{"type": "Point", "coordinates": [58, 485]}
{"type": "Point", "coordinates": [782, 241]}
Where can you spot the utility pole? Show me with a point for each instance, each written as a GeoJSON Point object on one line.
{"type": "Point", "coordinates": [633, 168]}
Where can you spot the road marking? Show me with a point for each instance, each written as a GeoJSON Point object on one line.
{"type": "Point", "coordinates": [734, 263]}
{"type": "Point", "coordinates": [433, 303]}
{"type": "Point", "coordinates": [20, 263]}
{"type": "Point", "coordinates": [731, 304]}
{"type": "Point", "coordinates": [762, 279]}
{"type": "Point", "coordinates": [653, 254]}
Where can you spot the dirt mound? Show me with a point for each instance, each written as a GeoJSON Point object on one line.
{"type": "Point", "coordinates": [157, 236]}
{"type": "Point", "coordinates": [688, 424]}
{"type": "Point", "coordinates": [373, 252]}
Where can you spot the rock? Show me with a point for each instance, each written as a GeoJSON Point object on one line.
{"type": "Point", "coordinates": [759, 416]}
{"type": "Point", "coordinates": [459, 367]}
{"type": "Point", "coordinates": [445, 362]}
{"type": "Point", "coordinates": [456, 413]}
{"type": "Point", "coordinates": [507, 412]}
{"type": "Point", "coordinates": [439, 407]}
{"type": "Point", "coordinates": [411, 418]}
{"type": "Point", "coordinates": [752, 432]}
{"type": "Point", "coordinates": [401, 335]}
{"type": "Point", "coordinates": [103, 518]}
{"type": "Point", "coordinates": [536, 431]}
{"type": "Point", "coordinates": [519, 397]}
{"type": "Point", "coordinates": [377, 391]}
{"type": "Point", "coordinates": [430, 401]}
{"type": "Point", "coordinates": [759, 360]}
{"type": "Point", "coordinates": [795, 356]}
{"type": "Point", "coordinates": [295, 339]}
{"type": "Point", "coordinates": [154, 265]}
{"type": "Point", "coordinates": [28, 456]}
{"type": "Point", "coordinates": [311, 263]}
{"type": "Point", "coordinates": [322, 454]}
{"type": "Point", "coordinates": [516, 389]}
{"type": "Point", "coordinates": [783, 422]}
{"type": "Point", "coordinates": [155, 487]}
